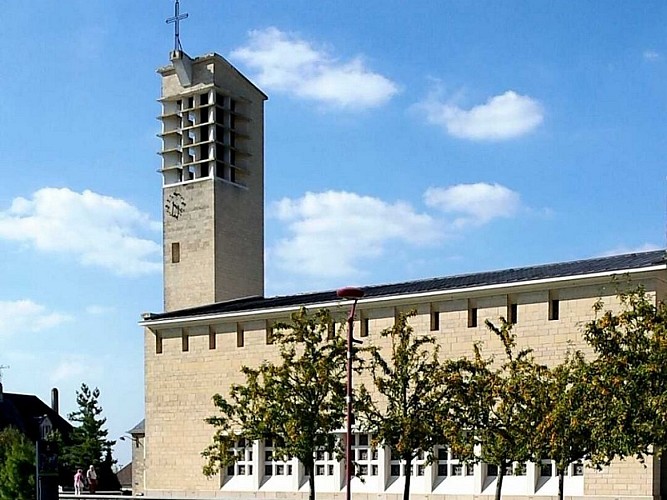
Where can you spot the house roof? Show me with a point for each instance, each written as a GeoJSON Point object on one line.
{"type": "Point", "coordinates": [23, 411]}
{"type": "Point", "coordinates": [125, 476]}
{"type": "Point", "coordinates": [615, 263]}
{"type": "Point", "coordinates": [138, 429]}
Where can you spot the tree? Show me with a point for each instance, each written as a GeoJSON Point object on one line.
{"type": "Point", "coordinates": [89, 442]}
{"type": "Point", "coordinates": [412, 388]}
{"type": "Point", "coordinates": [494, 406]}
{"type": "Point", "coordinates": [564, 432]}
{"type": "Point", "coordinates": [298, 402]}
{"type": "Point", "coordinates": [630, 377]}
{"type": "Point", "coordinates": [17, 466]}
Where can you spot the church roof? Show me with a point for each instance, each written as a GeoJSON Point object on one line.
{"type": "Point", "coordinates": [579, 268]}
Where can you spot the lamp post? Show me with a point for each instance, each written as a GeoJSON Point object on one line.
{"type": "Point", "coordinates": [355, 294]}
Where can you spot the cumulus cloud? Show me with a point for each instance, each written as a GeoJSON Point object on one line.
{"type": "Point", "coordinates": [286, 63]}
{"type": "Point", "coordinates": [620, 250]}
{"type": "Point", "coordinates": [474, 204]}
{"type": "Point", "coordinates": [72, 367]}
{"type": "Point", "coordinates": [651, 55]}
{"type": "Point", "coordinates": [99, 230]}
{"type": "Point", "coordinates": [20, 316]}
{"type": "Point", "coordinates": [97, 310]}
{"type": "Point", "coordinates": [501, 117]}
{"type": "Point", "coordinates": [331, 232]}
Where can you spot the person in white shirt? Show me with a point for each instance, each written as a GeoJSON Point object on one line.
{"type": "Point", "coordinates": [91, 476]}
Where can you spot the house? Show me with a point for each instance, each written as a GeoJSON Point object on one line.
{"type": "Point", "coordinates": [31, 415]}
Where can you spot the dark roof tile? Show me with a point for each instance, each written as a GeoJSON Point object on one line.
{"type": "Point", "coordinates": [506, 276]}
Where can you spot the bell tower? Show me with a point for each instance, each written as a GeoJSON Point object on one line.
{"type": "Point", "coordinates": [212, 181]}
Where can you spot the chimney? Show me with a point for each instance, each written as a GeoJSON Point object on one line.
{"type": "Point", "coordinates": [54, 399]}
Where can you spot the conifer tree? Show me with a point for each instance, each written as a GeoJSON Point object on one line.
{"type": "Point", "coordinates": [89, 440]}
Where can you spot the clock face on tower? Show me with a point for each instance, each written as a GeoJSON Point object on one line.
{"type": "Point", "coordinates": [175, 205]}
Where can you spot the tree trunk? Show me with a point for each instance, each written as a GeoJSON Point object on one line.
{"type": "Point", "coordinates": [499, 480]}
{"type": "Point", "coordinates": [561, 477]}
{"type": "Point", "coordinates": [310, 470]}
{"type": "Point", "coordinates": [408, 476]}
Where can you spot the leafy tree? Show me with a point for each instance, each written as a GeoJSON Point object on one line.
{"type": "Point", "coordinates": [412, 388]}
{"type": "Point", "coordinates": [17, 466]}
{"type": "Point", "coordinates": [89, 442]}
{"type": "Point", "coordinates": [630, 377]}
{"type": "Point", "coordinates": [564, 432]}
{"type": "Point", "coordinates": [495, 405]}
{"type": "Point", "coordinates": [298, 402]}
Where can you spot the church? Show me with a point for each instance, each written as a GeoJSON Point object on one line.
{"type": "Point", "coordinates": [216, 319]}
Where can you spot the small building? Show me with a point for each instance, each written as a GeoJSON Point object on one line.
{"type": "Point", "coordinates": [31, 416]}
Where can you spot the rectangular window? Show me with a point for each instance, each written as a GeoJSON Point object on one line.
{"type": "Point", "coordinates": [175, 253]}
{"type": "Point", "coordinates": [435, 320]}
{"type": "Point", "coordinates": [554, 309]}
{"type": "Point", "coordinates": [491, 470]}
{"type": "Point", "coordinates": [212, 339]}
{"type": "Point", "coordinates": [546, 470]}
{"type": "Point", "coordinates": [395, 470]}
{"type": "Point", "coordinates": [158, 343]}
{"type": "Point", "coordinates": [512, 312]}
{"type": "Point", "coordinates": [472, 317]}
{"type": "Point", "coordinates": [240, 336]}
{"type": "Point", "coordinates": [269, 333]}
{"type": "Point", "coordinates": [185, 341]}
{"type": "Point", "coordinates": [364, 327]}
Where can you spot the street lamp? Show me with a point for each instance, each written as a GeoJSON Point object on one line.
{"type": "Point", "coordinates": [355, 294]}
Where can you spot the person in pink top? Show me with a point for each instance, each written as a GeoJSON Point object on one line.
{"type": "Point", "coordinates": [78, 482]}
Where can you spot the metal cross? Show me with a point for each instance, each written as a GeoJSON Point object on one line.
{"type": "Point", "coordinates": [2, 367]}
{"type": "Point", "coordinates": [178, 17]}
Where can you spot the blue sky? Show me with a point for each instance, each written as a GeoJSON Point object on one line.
{"type": "Point", "coordinates": [403, 140]}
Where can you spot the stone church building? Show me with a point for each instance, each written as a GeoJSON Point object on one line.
{"type": "Point", "coordinates": [216, 318]}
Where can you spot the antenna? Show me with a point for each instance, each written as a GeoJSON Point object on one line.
{"type": "Point", "coordinates": [176, 21]}
{"type": "Point", "coordinates": [3, 367]}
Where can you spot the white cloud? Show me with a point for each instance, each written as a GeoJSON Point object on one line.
{"type": "Point", "coordinates": [331, 232]}
{"type": "Point", "coordinates": [501, 117]}
{"type": "Point", "coordinates": [97, 310]}
{"type": "Point", "coordinates": [72, 367]}
{"type": "Point", "coordinates": [100, 230]}
{"type": "Point", "coordinates": [20, 316]}
{"type": "Point", "coordinates": [286, 63]}
{"type": "Point", "coordinates": [476, 203]}
{"type": "Point", "coordinates": [651, 55]}
{"type": "Point", "coordinates": [620, 250]}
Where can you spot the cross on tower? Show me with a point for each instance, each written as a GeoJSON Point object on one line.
{"type": "Point", "coordinates": [176, 20]}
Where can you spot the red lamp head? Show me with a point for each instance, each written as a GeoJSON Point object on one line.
{"type": "Point", "coordinates": [350, 292]}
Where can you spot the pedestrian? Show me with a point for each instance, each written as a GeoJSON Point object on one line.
{"type": "Point", "coordinates": [91, 476]}
{"type": "Point", "coordinates": [78, 482]}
